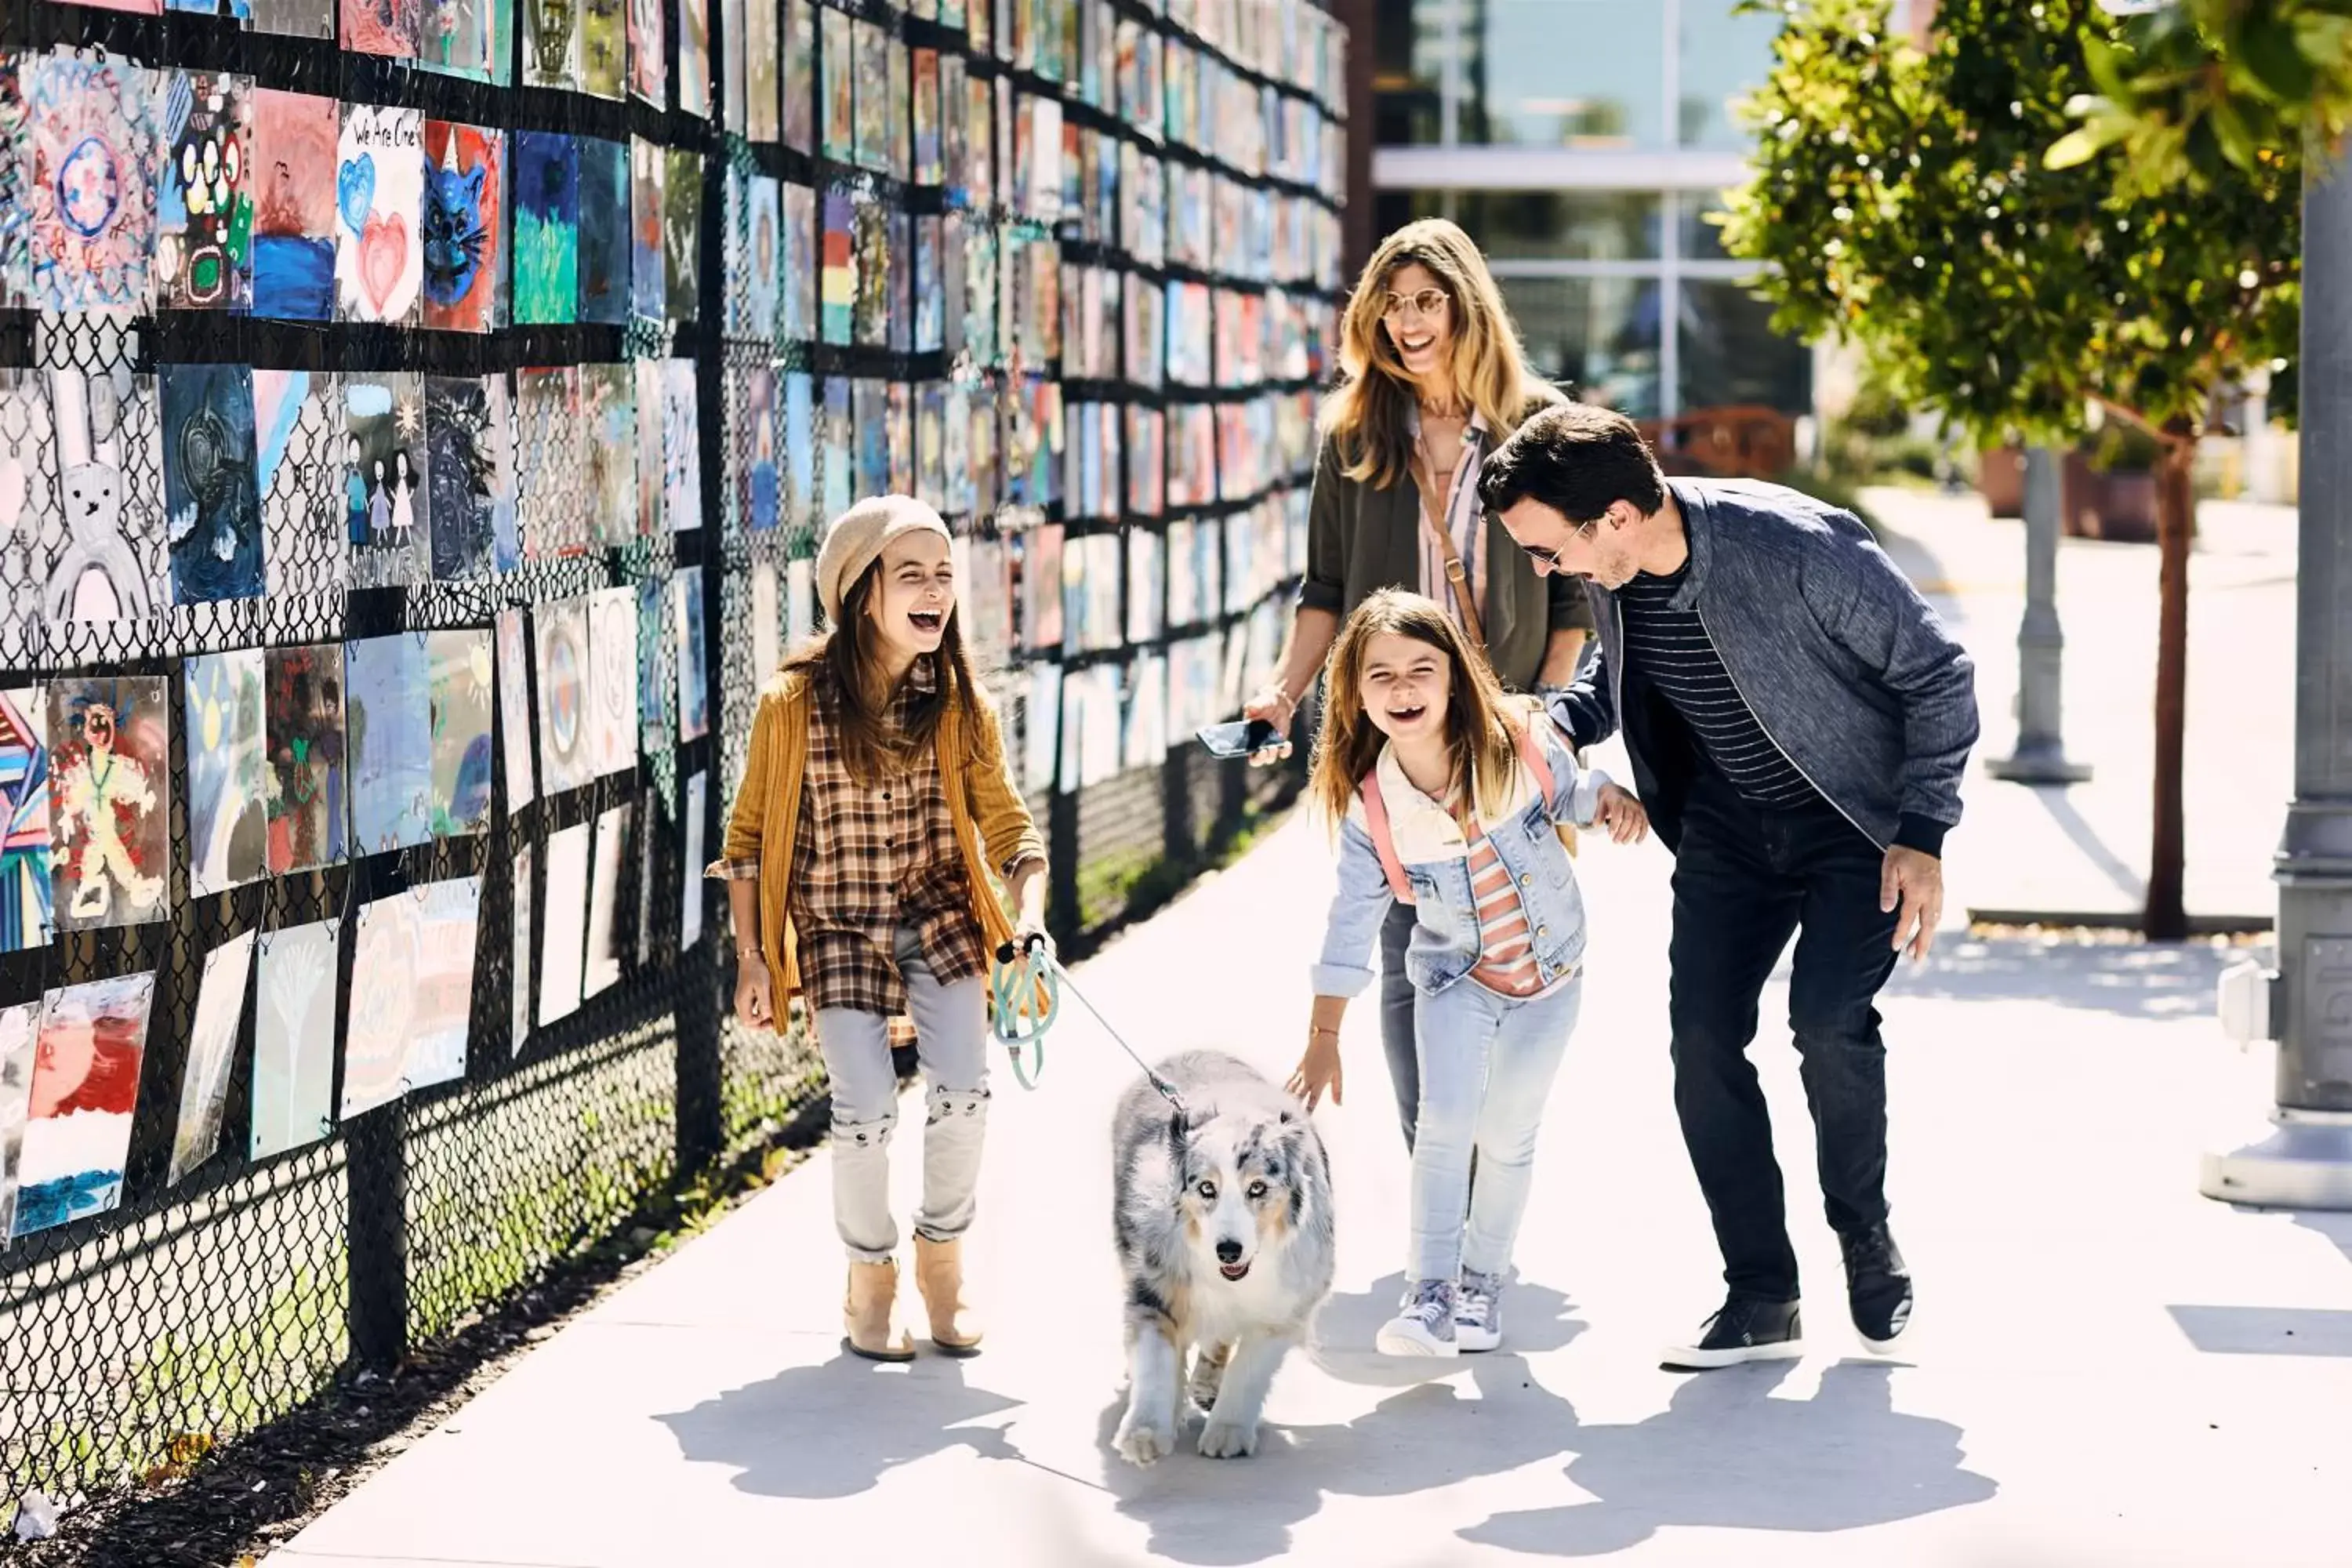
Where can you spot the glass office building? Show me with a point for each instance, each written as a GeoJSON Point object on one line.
{"type": "Point", "coordinates": [1581, 143]}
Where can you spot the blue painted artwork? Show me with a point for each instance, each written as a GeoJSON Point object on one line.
{"type": "Point", "coordinates": [603, 230]}
{"type": "Point", "coordinates": [212, 499]}
{"type": "Point", "coordinates": [389, 715]}
{"type": "Point", "coordinates": [546, 228]}
{"type": "Point", "coordinates": [800, 445]}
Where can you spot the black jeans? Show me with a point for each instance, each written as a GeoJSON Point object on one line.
{"type": "Point", "coordinates": [1745, 879]}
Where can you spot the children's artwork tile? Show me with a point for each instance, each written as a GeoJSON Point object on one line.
{"type": "Point", "coordinates": [837, 263]}
{"type": "Point", "coordinates": [763, 238]}
{"type": "Point", "coordinates": [649, 67]}
{"type": "Point", "coordinates": [564, 760]}
{"type": "Point", "coordinates": [835, 59]}
{"type": "Point", "coordinates": [553, 496]}
{"type": "Point", "coordinates": [551, 45]}
{"type": "Point", "coordinates": [870, 48]}
{"type": "Point", "coordinates": [602, 967]}
{"type": "Point", "coordinates": [212, 1046]}
{"type": "Point", "coordinates": [514, 707]}
{"type": "Point", "coordinates": [546, 224]}
{"type": "Point", "coordinates": [295, 204]}
{"type": "Point", "coordinates": [682, 232]}
{"type": "Point", "coordinates": [294, 1037]}
{"type": "Point", "coordinates": [654, 684]}
{"type": "Point", "coordinates": [212, 499]}
{"type": "Point", "coordinates": [462, 667]}
{"type": "Point", "coordinates": [697, 802]}
{"type": "Point", "coordinates": [389, 27]}
{"type": "Point", "coordinates": [767, 621]}
{"type": "Point", "coordinates": [470, 38]}
{"type": "Point", "coordinates": [385, 504]}
{"type": "Point", "coordinates": [800, 446]}
{"type": "Point", "coordinates": [303, 717]}
{"type": "Point", "coordinates": [31, 515]}
{"type": "Point", "coordinates": [467, 476]}
{"type": "Point", "coordinates": [411, 993]}
{"type": "Point", "coordinates": [608, 408]}
{"type": "Point", "coordinates": [838, 472]}
{"type": "Point", "coordinates": [294, 18]}
{"type": "Point", "coordinates": [647, 826]}
{"type": "Point", "coordinates": [519, 990]}
{"type": "Point", "coordinates": [613, 686]}
{"type": "Point", "coordinates": [800, 75]}
{"type": "Point", "coordinates": [110, 800]}
{"type": "Point", "coordinates": [203, 204]}
{"type": "Point", "coordinates": [85, 1087]}
{"type": "Point", "coordinates": [93, 145]}
{"type": "Point", "coordinates": [652, 472]}
{"type": "Point", "coordinates": [465, 217]}
{"type": "Point", "coordinates": [388, 711]}
{"type": "Point", "coordinates": [762, 501]}
{"type": "Point", "coordinates": [228, 823]}
{"type": "Point", "coordinates": [694, 57]}
{"type": "Point", "coordinates": [800, 601]}
{"type": "Point", "coordinates": [380, 215]}
{"type": "Point", "coordinates": [693, 672]}
{"type": "Point", "coordinates": [20, 1042]}
{"type": "Point", "coordinates": [649, 210]}
{"type": "Point", "coordinates": [23, 820]}
{"type": "Point", "coordinates": [763, 52]}
{"type": "Point", "coordinates": [603, 231]}
{"type": "Point", "coordinates": [681, 446]}
{"type": "Point", "coordinates": [305, 544]}
{"type": "Point", "coordinates": [603, 49]}
{"type": "Point", "coordinates": [563, 955]}
{"type": "Point", "coordinates": [800, 264]}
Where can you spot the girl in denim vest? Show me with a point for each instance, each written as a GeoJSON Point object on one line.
{"type": "Point", "coordinates": [1450, 797]}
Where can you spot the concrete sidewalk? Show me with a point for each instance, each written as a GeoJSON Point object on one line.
{"type": "Point", "coordinates": [2084, 849]}
{"type": "Point", "coordinates": [2106, 1368]}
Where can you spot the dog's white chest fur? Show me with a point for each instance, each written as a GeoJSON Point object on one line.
{"type": "Point", "coordinates": [1224, 1310]}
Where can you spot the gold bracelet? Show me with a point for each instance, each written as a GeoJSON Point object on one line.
{"type": "Point", "coordinates": [1313, 1029]}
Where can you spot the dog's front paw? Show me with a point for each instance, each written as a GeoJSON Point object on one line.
{"type": "Point", "coordinates": [1229, 1439]}
{"type": "Point", "coordinates": [1143, 1441]}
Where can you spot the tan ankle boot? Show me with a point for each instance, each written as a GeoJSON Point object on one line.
{"type": "Point", "coordinates": [870, 1313]}
{"type": "Point", "coordinates": [939, 1275]}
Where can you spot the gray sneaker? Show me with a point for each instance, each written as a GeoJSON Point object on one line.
{"type": "Point", "coordinates": [1478, 1311]}
{"type": "Point", "coordinates": [1426, 1326]}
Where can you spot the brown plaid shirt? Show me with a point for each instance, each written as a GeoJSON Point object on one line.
{"type": "Point", "coordinates": [866, 861]}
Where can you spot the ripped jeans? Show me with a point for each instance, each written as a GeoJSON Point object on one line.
{"type": "Point", "coordinates": [952, 1043]}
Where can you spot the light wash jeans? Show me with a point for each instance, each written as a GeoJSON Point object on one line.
{"type": "Point", "coordinates": [1487, 1064]}
{"type": "Point", "coordinates": [952, 1043]}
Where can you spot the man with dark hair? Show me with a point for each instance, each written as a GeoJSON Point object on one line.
{"type": "Point", "coordinates": [1798, 721]}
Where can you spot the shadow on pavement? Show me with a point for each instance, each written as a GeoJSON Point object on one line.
{"type": "Point", "coordinates": [869, 1431]}
{"type": "Point", "coordinates": [2275, 1331]}
{"type": "Point", "coordinates": [1726, 1453]}
{"type": "Point", "coordinates": [2133, 980]}
{"type": "Point", "coordinates": [1535, 1318]}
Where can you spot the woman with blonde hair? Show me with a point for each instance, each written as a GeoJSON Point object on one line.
{"type": "Point", "coordinates": [1432, 379]}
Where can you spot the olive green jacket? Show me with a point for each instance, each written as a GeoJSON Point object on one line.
{"type": "Point", "coordinates": [1360, 540]}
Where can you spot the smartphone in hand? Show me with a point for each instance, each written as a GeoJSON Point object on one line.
{"type": "Point", "coordinates": [1241, 738]}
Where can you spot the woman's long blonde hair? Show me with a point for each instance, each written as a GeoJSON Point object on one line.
{"type": "Point", "coordinates": [1479, 719]}
{"type": "Point", "coordinates": [1368, 414]}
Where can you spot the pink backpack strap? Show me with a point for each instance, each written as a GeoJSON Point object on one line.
{"type": "Point", "coordinates": [1531, 752]}
{"type": "Point", "coordinates": [1376, 822]}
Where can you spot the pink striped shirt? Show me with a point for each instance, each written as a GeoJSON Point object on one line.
{"type": "Point", "coordinates": [1506, 955]}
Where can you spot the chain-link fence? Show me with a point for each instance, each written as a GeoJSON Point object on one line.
{"type": "Point", "coordinates": [416, 423]}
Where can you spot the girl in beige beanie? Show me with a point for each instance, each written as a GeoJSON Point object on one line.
{"type": "Point", "coordinates": [875, 813]}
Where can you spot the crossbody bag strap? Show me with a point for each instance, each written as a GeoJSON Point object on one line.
{"type": "Point", "coordinates": [1432, 519]}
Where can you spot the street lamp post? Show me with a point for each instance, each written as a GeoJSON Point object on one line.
{"type": "Point", "coordinates": [2040, 753]}
{"type": "Point", "coordinates": [2305, 1160]}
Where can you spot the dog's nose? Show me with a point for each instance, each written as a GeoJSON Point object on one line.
{"type": "Point", "coordinates": [1229, 1251]}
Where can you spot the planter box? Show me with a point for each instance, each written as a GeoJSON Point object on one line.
{"type": "Point", "coordinates": [2000, 475]}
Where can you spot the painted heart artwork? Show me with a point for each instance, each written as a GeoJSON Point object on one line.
{"type": "Point", "coordinates": [93, 151]}
{"type": "Point", "coordinates": [463, 254]}
{"type": "Point", "coordinates": [380, 210]}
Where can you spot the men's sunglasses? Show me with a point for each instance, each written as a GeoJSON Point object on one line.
{"type": "Point", "coordinates": [1549, 559]}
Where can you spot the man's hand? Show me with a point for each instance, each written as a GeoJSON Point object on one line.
{"type": "Point", "coordinates": [1914, 880]}
{"type": "Point", "coordinates": [1317, 1071]}
{"type": "Point", "coordinates": [1621, 815]}
{"type": "Point", "coordinates": [1277, 708]}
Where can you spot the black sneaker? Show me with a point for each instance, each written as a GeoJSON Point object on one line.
{"type": "Point", "coordinates": [1745, 1329]}
{"type": "Point", "coordinates": [1877, 1287]}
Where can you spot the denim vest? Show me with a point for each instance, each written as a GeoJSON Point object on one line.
{"type": "Point", "coordinates": [1435, 856]}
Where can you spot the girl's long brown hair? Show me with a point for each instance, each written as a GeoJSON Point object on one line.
{"type": "Point", "coordinates": [849, 657]}
{"type": "Point", "coordinates": [1367, 414]}
{"type": "Point", "coordinates": [1478, 727]}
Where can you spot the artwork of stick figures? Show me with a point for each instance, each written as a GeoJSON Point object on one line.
{"type": "Point", "coordinates": [98, 788]}
{"type": "Point", "coordinates": [378, 507]}
{"type": "Point", "coordinates": [355, 494]}
{"type": "Point", "coordinates": [403, 500]}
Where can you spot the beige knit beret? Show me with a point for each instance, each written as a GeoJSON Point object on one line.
{"type": "Point", "coordinates": [859, 536]}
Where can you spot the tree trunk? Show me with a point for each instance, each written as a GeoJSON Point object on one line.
{"type": "Point", "coordinates": [2165, 919]}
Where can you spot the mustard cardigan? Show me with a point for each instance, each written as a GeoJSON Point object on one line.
{"type": "Point", "coordinates": [982, 803]}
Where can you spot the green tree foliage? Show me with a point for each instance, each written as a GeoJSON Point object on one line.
{"type": "Point", "coordinates": [2201, 92]}
{"type": "Point", "coordinates": [1902, 203]}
